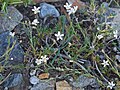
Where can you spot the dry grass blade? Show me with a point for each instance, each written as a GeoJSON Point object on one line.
{"type": "Point", "coordinates": [5, 78]}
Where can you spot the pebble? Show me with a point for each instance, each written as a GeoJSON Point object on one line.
{"type": "Point", "coordinates": [44, 76]}
{"type": "Point", "coordinates": [9, 20]}
{"type": "Point", "coordinates": [16, 55]}
{"type": "Point", "coordinates": [32, 72]}
{"type": "Point", "coordinates": [117, 57]}
{"type": "Point", "coordinates": [47, 10]}
{"type": "Point", "coordinates": [63, 85]}
{"type": "Point", "coordinates": [84, 81]}
{"type": "Point", "coordinates": [13, 80]}
{"type": "Point", "coordinates": [44, 85]}
{"type": "Point", "coordinates": [34, 80]}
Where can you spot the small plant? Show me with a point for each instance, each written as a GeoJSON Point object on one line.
{"type": "Point", "coordinates": [81, 42]}
{"type": "Point", "coordinates": [73, 42]}
{"type": "Point", "coordinates": [5, 3]}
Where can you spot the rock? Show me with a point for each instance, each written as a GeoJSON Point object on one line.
{"type": "Point", "coordinates": [47, 10]}
{"type": "Point", "coordinates": [16, 55]}
{"type": "Point", "coordinates": [63, 85]}
{"type": "Point", "coordinates": [13, 80]}
{"type": "Point", "coordinates": [6, 88]}
{"type": "Point", "coordinates": [106, 5]}
{"type": "Point", "coordinates": [115, 49]}
{"type": "Point", "coordinates": [108, 12]}
{"type": "Point", "coordinates": [116, 22]}
{"type": "Point", "coordinates": [76, 88]}
{"type": "Point", "coordinates": [43, 85]}
{"type": "Point", "coordinates": [118, 57]}
{"type": "Point", "coordinates": [84, 81]}
{"type": "Point", "coordinates": [38, 1]}
{"type": "Point", "coordinates": [33, 72]}
{"type": "Point", "coordinates": [34, 80]}
{"type": "Point", "coordinates": [44, 76]}
{"type": "Point", "coordinates": [118, 52]}
{"type": "Point", "coordinates": [9, 20]}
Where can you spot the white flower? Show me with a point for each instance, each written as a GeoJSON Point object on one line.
{"type": "Point", "coordinates": [115, 33]}
{"type": "Point", "coordinates": [68, 6]}
{"type": "Point", "coordinates": [44, 58]}
{"type": "Point", "coordinates": [72, 10]}
{"type": "Point", "coordinates": [38, 61]}
{"type": "Point", "coordinates": [35, 22]}
{"type": "Point", "coordinates": [10, 17]}
{"type": "Point", "coordinates": [110, 85]}
{"type": "Point", "coordinates": [59, 36]}
{"type": "Point", "coordinates": [69, 44]}
{"type": "Point", "coordinates": [75, 8]}
{"type": "Point", "coordinates": [92, 47]}
{"type": "Point", "coordinates": [20, 41]}
{"type": "Point", "coordinates": [100, 37]}
{"type": "Point", "coordinates": [12, 34]}
{"type": "Point", "coordinates": [34, 27]}
{"type": "Point", "coordinates": [36, 10]}
{"type": "Point", "coordinates": [105, 63]}
{"type": "Point", "coordinates": [98, 28]}
{"type": "Point", "coordinates": [11, 58]}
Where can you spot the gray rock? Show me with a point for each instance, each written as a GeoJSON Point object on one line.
{"type": "Point", "coordinates": [118, 57]}
{"type": "Point", "coordinates": [115, 49]}
{"type": "Point", "coordinates": [34, 80]}
{"type": "Point", "coordinates": [107, 13]}
{"type": "Point", "coordinates": [9, 20]}
{"type": "Point", "coordinates": [32, 72]}
{"type": "Point", "coordinates": [42, 85]}
{"type": "Point", "coordinates": [84, 81]}
{"type": "Point", "coordinates": [116, 22]}
{"type": "Point", "coordinates": [13, 80]}
{"type": "Point", "coordinates": [106, 5]}
{"type": "Point", "coordinates": [47, 10]}
{"type": "Point", "coordinates": [17, 53]}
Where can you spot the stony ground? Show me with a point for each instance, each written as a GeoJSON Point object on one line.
{"type": "Point", "coordinates": [50, 46]}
